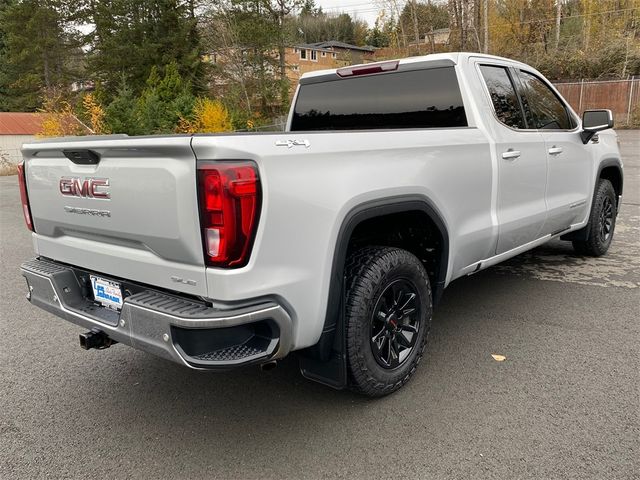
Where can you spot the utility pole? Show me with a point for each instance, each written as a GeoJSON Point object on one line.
{"type": "Point", "coordinates": [558, 16]}
{"type": "Point", "coordinates": [414, 12]}
{"type": "Point", "coordinates": [433, 41]}
{"type": "Point", "coordinates": [485, 22]}
{"type": "Point", "coordinates": [463, 24]}
{"type": "Point", "coordinates": [396, 11]}
{"type": "Point", "coordinates": [626, 58]}
{"type": "Point", "coordinates": [586, 24]}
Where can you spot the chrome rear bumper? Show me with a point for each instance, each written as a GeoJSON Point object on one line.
{"type": "Point", "coordinates": [176, 328]}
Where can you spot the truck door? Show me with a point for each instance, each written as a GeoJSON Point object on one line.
{"type": "Point", "coordinates": [569, 163]}
{"type": "Point", "coordinates": [522, 164]}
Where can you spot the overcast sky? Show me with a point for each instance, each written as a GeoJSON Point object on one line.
{"type": "Point", "coordinates": [358, 9]}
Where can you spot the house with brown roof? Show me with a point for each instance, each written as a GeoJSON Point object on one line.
{"type": "Point", "coordinates": [17, 128]}
{"type": "Point", "coordinates": [308, 57]}
{"type": "Point", "coordinates": [299, 59]}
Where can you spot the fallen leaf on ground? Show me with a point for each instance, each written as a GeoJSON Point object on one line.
{"type": "Point", "coordinates": [498, 358]}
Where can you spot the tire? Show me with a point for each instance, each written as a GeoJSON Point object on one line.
{"type": "Point", "coordinates": [602, 222]}
{"type": "Point", "coordinates": [376, 278]}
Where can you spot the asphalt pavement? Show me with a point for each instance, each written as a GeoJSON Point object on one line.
{"type": "Point", "coordinates": [564, 404]}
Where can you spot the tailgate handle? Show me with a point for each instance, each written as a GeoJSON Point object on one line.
{"type": "Point", "coordinates": [82, 157]}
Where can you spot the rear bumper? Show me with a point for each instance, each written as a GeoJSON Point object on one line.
{"type": "Point", "coordinates": [176, 328]}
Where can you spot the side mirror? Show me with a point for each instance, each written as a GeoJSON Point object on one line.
{"type": "Point", "coordinates": [594, 121]}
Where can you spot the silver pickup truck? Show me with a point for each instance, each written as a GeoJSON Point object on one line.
{"type": "Point", "coordinates": [335, 238]}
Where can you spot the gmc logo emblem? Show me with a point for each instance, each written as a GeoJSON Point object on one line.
{"type": "Point", "coordinates": [87, 188]}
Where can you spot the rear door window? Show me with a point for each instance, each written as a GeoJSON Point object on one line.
{"type": "Point", "coordinates": [428, 98]}
{"type": "Point", "coordinates": [543, 108]}
{"type": "Point", "coordinates": [503, 96]}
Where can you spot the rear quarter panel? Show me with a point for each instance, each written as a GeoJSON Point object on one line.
{"type": "Point", "coordinates": [308, 192]}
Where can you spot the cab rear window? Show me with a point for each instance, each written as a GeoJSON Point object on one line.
{"type": "Point", "coordinates": [427, 98]}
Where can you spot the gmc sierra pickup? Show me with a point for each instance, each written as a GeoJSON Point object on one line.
{"type": "Point", "coordinates": [334, 238]}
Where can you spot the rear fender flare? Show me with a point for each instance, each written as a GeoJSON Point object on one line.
{"type": "Point", "coordinates": [366, 211]}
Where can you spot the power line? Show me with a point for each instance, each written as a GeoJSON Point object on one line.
{"type": "Point", "coordinates": [349, 6]}
{"type": "Point", "coordinates": [552, 20]}
{"type": "Point", "coordinates": [542, 20]}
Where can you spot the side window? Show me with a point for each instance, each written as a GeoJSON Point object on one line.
{"type": "Point", "coordinates": [542, 106]}
{"type": "Point", "coordinates": [503, 96]}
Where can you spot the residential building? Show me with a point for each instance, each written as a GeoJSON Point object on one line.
{"type": "Point", "coordinates": [309, 57]}
{"type": "Point", "coordinates": [344, 51]}
{"type": "Point", "coordinates": [436, 37]}
{"type": "Point", "coordinates": [299, 59]}
{"type": "Point", "coordinates": [436, 41]}
{"type": "Point", "coordinates": [305, 58]}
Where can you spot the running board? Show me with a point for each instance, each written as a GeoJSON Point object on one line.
{"type": "Point", "coordinates": [488, 262]}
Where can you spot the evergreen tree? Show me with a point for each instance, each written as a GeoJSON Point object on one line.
{"type": "Point", "coordinates": [37, 51]}
{"type": "Point", "coordinates": [249, 65]}
{"type": "Point", "coordinates": [132, 36]}
{"type": "Point", "coordinates": [120, 115]}
{"type": "Point", "coordinates": [164, 101]}
{"type": "Point", "coordinates": [279, 12]}
{"type": "Point", "coordinates": [312, 25]}
{"type": "Point", "coordinates": [418, 19]}
{"type": "Point", "coordinates": [377, 36]}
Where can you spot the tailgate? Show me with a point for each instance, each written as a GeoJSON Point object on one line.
{"type": "Point", "coordinates": [147, 230]}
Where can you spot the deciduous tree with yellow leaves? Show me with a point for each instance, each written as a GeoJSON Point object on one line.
{"type": "Point", "coordinates": [208, 116]}
{"type": "Point", "coordinates": [95, 113]}
{"type": "Point", "coordinates": [59, 118]}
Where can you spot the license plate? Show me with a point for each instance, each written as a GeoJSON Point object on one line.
{"type": "Point", "coordinates": [108, 293]}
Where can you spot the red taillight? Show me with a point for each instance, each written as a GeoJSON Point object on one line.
{"type": "Point", "coordinates": [229, 210]}
{"type": "Point", "coordinates": [24, 197]}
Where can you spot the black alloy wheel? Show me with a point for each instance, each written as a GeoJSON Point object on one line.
{"type": "Point", "coordinates": [605, 224]}
{"type": "Point", "coordinates": [395, 324]}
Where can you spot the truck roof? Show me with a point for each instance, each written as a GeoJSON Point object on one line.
{"type": "Point", "coordinates": [444, 58]}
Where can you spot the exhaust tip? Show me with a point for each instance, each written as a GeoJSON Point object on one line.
{"type": "Point", "coordinates": [265, 367]}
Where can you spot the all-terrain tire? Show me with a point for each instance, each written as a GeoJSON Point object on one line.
{"type": "Point", "coordinates": [375, 277]}
{"type": "Point", "coordinates": [602, 222]}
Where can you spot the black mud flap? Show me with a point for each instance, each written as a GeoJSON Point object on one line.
{"type": "Point", "coordinates": [326, 361]}
{"type": "Point", "coordinates": [580, 235]}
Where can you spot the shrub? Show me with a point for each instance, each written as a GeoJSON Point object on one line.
{"type": "Point", "coordinates": [208, 116]}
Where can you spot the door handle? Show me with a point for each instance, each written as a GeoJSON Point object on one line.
{"type": "Point", "coordinates": [555, 150]}
{"type": "Point", "coordinates": [511, 154]}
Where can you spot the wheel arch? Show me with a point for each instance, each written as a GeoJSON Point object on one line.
{"type": "Point", "coordinates": [380, 208]}
{"type": "Point", "coordinates": [611, 169]}
{"type": "Point", "coordinates": [325, 362]}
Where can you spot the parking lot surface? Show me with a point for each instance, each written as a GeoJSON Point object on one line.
{"type": "Point", "coordinates": [564, 404]}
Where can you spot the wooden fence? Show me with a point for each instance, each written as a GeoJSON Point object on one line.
{"type": "Point", "coordinates": [621, 96]}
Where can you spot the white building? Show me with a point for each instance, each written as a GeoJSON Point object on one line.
{"type": "Point", "coordinates": [17, 128]}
